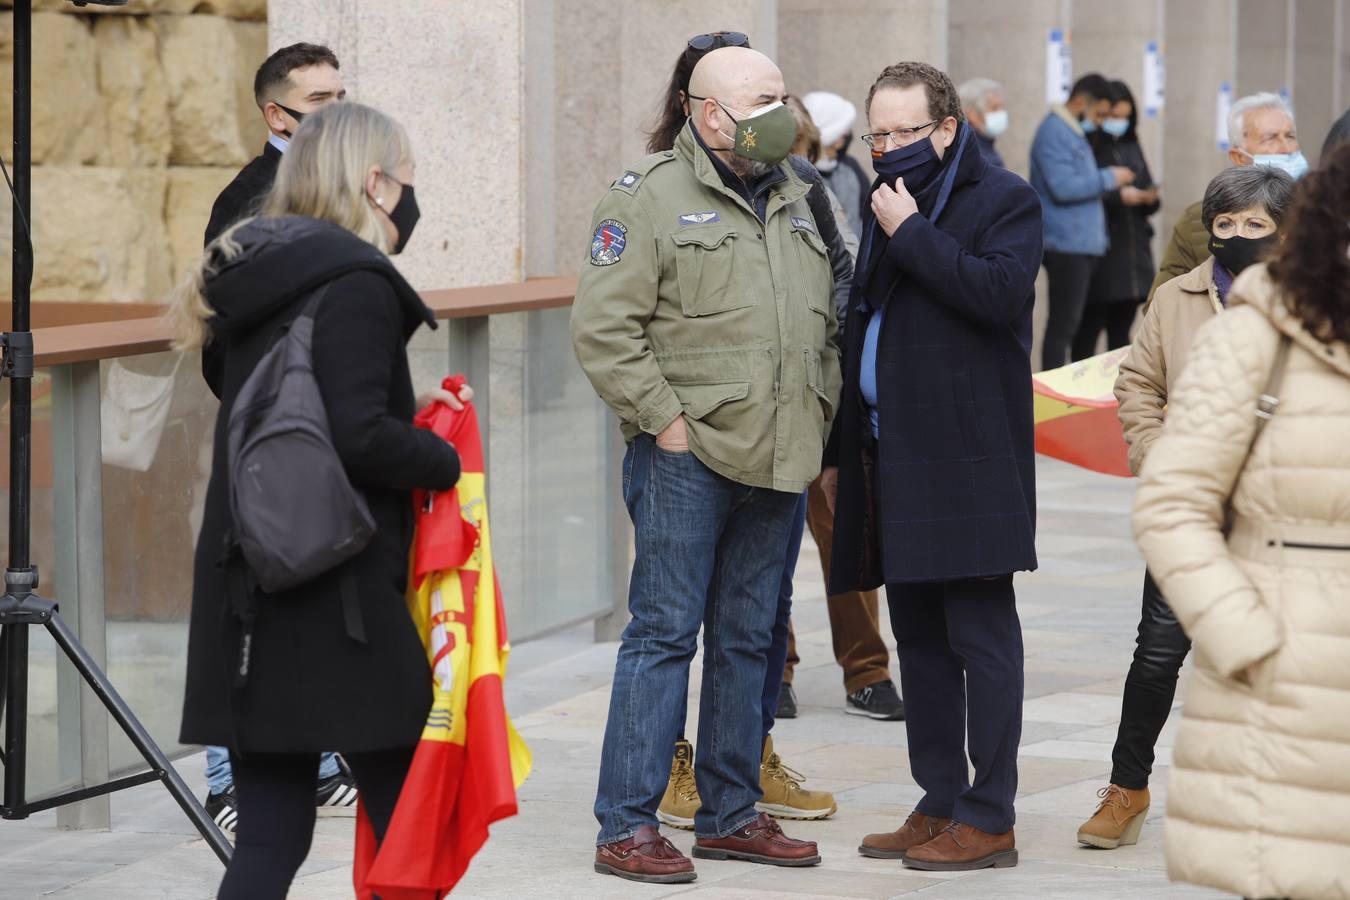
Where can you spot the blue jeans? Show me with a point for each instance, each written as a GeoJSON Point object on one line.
{"type": "Point", "coordinates": [219, 777]}
{"type": "Point", "coordinates": [710, 554]}
{"type": "Point", "coordinates": [778, 650]}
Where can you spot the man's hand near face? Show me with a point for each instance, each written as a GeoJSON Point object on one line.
{"type": "Point", "coordinates": [893, 207]}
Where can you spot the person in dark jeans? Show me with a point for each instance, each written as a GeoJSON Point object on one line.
{"type": "Point", "coordinates": [1121, 280]}
{"type": "Point", "coordinates": [1071, 185]}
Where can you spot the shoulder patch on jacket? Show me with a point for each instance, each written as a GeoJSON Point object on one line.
{"type": "Point", "coordinates": [632, 179]}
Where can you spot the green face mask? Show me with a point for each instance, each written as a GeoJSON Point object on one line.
{"type": "Point", "coordinates": [767, 136]}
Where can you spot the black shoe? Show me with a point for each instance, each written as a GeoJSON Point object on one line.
{"type": "Point", "coordinates": [876, 701]}
{"type": "Point", "coordinates": [787, 703]}
{"type": "Point", "coordinates": [337, 796]}
{"type": "Point", "coordinates": [223, 808]}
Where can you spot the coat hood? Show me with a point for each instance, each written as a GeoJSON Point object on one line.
{"type": "Point", "coordinates": [281, 260]}
{"type": "Point", "coordinates": [1255, 288]}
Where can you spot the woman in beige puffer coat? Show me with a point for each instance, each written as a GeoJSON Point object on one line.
{"type": "Point", "coordinates": [1251, 545]}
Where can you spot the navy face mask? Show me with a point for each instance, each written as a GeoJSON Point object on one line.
{"type": "Point", "coordinates": [917, 164]}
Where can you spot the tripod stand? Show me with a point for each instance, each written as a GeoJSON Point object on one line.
{"type": "Point", "coordinates": [20, 607]}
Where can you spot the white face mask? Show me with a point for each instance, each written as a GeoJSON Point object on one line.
{"type": "Point", "coordinates": [995, 123]}
{"type": "Point", "coordinates": [825, 166]}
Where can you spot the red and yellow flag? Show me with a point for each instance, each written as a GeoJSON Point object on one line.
{"type": "Point", "coordinates": [1075, 409]}
{"type": "Point", "coordinates": [470, 760]}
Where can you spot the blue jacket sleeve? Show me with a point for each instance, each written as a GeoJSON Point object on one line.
{"type": "Point", "coordinates": [1069, 176]}
{"type": "Point", "coordinates": [990, 285]}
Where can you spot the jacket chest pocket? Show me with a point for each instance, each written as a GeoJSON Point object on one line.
{"type": "Point", "coordinates": [816, 275]}
{"type": "Point", "coordinates": [705, 264]}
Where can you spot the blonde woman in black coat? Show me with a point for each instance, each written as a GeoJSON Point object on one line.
{"type": "Point", "coordinates": [343, 198]}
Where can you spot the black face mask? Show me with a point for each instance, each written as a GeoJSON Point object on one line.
{"type": "Point", "coordinates": [404, 215]}
{"type": "Point", "coordinates": [1237, 253]}
{"type": "Point", "coordinates": [917, 164]}
{"type": "Point", "coordinates": [297, 116]}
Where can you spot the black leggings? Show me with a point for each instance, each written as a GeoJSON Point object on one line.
{"type": "Point", "coordinates": [276, 813]}
{"type": "Point", "coordinates": [1150, 687]}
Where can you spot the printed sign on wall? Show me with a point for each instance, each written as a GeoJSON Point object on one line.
{"type": "Point", "coordinates": [1221, 110]}
{"type": "Point", "coordinates": [1155, 79]}
{"type": "Point", "coordinates": [1058, 67]}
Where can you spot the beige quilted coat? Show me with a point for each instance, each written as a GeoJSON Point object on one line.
{"type": "Point", "coordinates": [1259, 798]}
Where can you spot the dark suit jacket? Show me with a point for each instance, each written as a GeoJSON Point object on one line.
{"type": "Point", "coordinates": [953, 491]}
{"type": "Point", "coordinates": [240, 199]}
{"type": "Point", "coordinates": [243, 196]}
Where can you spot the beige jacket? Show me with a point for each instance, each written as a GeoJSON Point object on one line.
{"type": "Point", "coordinates": [1158, 354]}
{"type": "Point", "coordinates": [1259, 798]}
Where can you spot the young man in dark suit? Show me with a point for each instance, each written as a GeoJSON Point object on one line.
{"type": "Point", "coordinates": [292, 82]}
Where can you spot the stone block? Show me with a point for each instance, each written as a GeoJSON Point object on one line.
{"type": "Point", "coordinates": [192, 191]}
{"type": "Point", "coordinates": [69, 122]}
{"type": "Point", "coordinates": [255, 10]}
{"type": "Point", "coordinates": [98, 235]}
{"type": "Point", "coordinates": [209, 63]}
{"type": "Point", "coordinates": [134, 90]}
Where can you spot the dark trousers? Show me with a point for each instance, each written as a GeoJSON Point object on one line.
{"type": "Point", "coordinates": [1159, 651]}
{"type": "Point", "coordinates": [855, 626]}
{"type": "Point", "coordinates": [276, 814]}
{"type": "Point", "coordinates": [1115, 318]}
{"type": "Point", "coordinates": [1070, 275]}
{"type": "Point", "coordinates": [960, 652]}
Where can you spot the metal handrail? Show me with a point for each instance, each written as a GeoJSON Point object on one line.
{"type": "Point", "coordinates": [65, 344]}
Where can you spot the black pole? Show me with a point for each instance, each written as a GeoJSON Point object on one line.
{"type": "Point", "coordinates": [20, 607]}
{"type": "Point", "coordinates": [20, 417]}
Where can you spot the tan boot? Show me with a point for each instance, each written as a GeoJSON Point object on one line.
{"type": "Point", "coordinates": [918, 829]}
{"type": "Point", "coordinates": [1118, 820]}
{"type": "Point", "coordinates": [784, 797]}
{"type": "Point", "coordinates": [681, 799]}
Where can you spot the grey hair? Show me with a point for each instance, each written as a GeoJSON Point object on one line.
{"type": "Point", "coordinates": [1237, 116]}
{"type": "Point", "coordinates": [976, 91]}
{"type": "Point", "coordinates": [1244, 187]}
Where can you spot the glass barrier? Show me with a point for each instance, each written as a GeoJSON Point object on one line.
{"type": "Point", "coordinates": [548, 483]}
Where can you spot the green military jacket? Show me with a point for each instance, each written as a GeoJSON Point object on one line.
{"type": "Point", "coordinates": [690, 305]}
{"type": "Point", "coordinates": [1188, 248]}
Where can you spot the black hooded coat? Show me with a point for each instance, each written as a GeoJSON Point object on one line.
{"type": "Point", "coordinates": [312, 685]}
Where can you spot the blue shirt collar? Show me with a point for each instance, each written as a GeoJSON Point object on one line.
{"type": "Point", "coordinates": [279, 142]}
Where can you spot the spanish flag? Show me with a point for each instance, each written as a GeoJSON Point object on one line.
{"type": "Point", "coordinates": [1075, 410]}
{"type": "Point", "coordinates": [470, 760]}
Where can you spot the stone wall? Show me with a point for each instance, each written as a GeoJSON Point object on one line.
{"type": "Point", "coordinates": [141, 114]}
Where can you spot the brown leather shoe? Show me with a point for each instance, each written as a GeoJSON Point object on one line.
{"type": "Point", "coordinates": [918, 829]}
{"type": "Point", "coordinates": [762, 841]}
{"type": "Point", "coordinates": [645, 857]}
{"type": "Point", "coordinates": [961, 848]}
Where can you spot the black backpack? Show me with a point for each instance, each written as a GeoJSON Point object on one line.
{"type": "Point", "coordinates": [296, 514]}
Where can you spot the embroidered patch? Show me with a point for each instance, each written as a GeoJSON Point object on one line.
{"type": "Point", "coordinates": [630, 179]}
{"type": "Point", "coordinates": [702, 218]}
{"type": "Point", "coordinates": [803, 224]}
{"type": "Point", "coordinates": [611, 236]}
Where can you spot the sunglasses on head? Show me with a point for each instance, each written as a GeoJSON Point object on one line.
{"type": "Point", "coordinates": [717, 39]}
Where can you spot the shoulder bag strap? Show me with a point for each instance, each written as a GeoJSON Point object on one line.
{"type": "Point", "coordinates": [1269, 400]}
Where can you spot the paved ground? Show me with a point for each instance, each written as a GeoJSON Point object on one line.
{"type": "Point", "coordinates": [1078, 612]}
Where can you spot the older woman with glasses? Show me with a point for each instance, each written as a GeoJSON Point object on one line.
{"type": "Point", "coordinates": [1242, 210]}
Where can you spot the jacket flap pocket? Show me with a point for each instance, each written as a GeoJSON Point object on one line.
{"type": "Point", "coordinates": [701, 399]}
{"type": "Point", "coordinates": [813, 241]}
{"type": "Point", "coordinates": [708, 237]}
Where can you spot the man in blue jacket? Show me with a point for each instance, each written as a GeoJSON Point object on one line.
{"type": "Point", "coordinates": [1065, 173]}
{"type": "Point", "coordinates": [936, 473]}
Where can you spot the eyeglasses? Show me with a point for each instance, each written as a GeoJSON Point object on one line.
{"type": "Point", "coordinates": [716, 39]}
{"type": "Point", "coordinates": [900, 137]}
